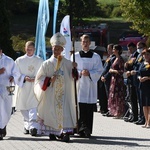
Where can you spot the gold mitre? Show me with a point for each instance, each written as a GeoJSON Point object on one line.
{"type": "Point", "coordinates": [58, 39]}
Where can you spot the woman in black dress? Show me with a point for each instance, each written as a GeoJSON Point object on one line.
{"type": "Point", "coordinates": [144, 77]}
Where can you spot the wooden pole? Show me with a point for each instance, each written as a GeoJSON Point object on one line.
{"type": "Point", "coordinates": [75, 72]}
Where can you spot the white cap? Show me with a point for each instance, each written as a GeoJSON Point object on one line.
{"type": "Point", "coordinates": [58, 39]}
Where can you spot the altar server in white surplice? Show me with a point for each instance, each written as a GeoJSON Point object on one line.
{"type": "Point", "coordinates": [90, 69]}
{"type": "Point", "coordinates": [55, 91]}
{"type": "Point", "coordinates": [8, 74]}
{"type": "Point", "coordinates": [26, 101]}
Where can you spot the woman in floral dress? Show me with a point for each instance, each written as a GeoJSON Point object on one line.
{"type": "Point", "coordinates": [144, 77]}
{"type": "Point", "coordinates": [116, 98]}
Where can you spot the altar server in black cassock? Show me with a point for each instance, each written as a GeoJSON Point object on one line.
{"type": "Point", "coordinates": [89, 69]}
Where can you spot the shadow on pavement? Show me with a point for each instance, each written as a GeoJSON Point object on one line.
{"type": "Point", "coordinates": [110, 141]}
{"type": "Point", "coordinates": [102, 140]}
{"type": "Point", "coordinates": [28, 139]}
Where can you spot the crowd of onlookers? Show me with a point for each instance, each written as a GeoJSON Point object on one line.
{"type": "Point", "coordinates": [124, 86]}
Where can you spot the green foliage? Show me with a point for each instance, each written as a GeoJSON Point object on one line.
{"type": "Point", "coordinates": [78, 9]}
{"type": "Point", "coordinates": [110, 2]}
{"type": "Point", "coordinates": [22, 6]}
{"type": "Point", "coordinates": [109, 9]}
{"type": "Point", "coordinates": [5, 41]}
{"type": "Point", "coordinates": [117, 12]}
{"type": "Point", "coordinates": [105, 10]}
{"type": "Point", "coordinates": [138, 12]}
{"type": "Point", "coordinates": [20, 40]}
{"type": "Point", "coordinates": [17, 6]}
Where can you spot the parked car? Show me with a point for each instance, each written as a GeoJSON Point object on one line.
{"type": "Point", "coordinates": [98, 34]}
{"type": "Point", "coordinates": [130, 36]}
{"type": "Point", "coordinates": [18, 54]}
{"type": "Point", "coordinates": [101, 51]}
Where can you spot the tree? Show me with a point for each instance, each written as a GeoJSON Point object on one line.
{"type": "Point", "coordinates": [22, 6]}
{"type": "Point", "coordinates": [5, 35]}
{"type": "Point", "coordinates": [137, 12]}
{"type": "Point", "coordinates": [78, 9]}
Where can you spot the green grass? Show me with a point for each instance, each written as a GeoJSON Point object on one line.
{"type": "Point", "coordinates": [99, 1]}
{"type": "Point", "coordinates": [108, 1]}
{"type": "Point", "coordinates": [113, 23]}
{"type": "Point", "coordinates": [36, 1]}
{"type": "Point", "coordinates": [98, 19]}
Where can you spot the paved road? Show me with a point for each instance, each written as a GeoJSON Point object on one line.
{"type": "Point", "coordinates": [108, 133]}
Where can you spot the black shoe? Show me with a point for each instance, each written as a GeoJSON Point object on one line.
{"type": "Point", "coordinates": [13, 110]}
{"type": "Point", "coordinates": [84, 134]}
{"type": "Point", "coordinates": [81, 134]}
{"type": "Point", "coordinates": [33, 132]}
{"type": "Point", "coordinates": [1, 136]}
{"type": "Point", "coordinates": [136, 121]}
{"type": "Point", "coordinates": [133, 120]}
{"type": "Point", "coordinates": [52, 137]}
{"type": "Point", "coordinates": [65, 138]}
{"type": "Point", "coordinates": [87, 133]}
{"type": "Point", "coordinates": [128, 119]}
{"type": "Point", "coordinates": [140, 122]}
{"type": "Point", "coordinates": [109, 115]}
{"type": "Point", "coordinates": [26, 131]}
{"type": "Point", "coordinates": [126, 115]}
{"type": "Point", "coordinates": [4, 131]}
{"type": "Point", "coordinates": [105, 114]}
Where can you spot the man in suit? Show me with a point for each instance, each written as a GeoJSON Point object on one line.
{"type": "Point", "coordinates": [129, 66]}
{"type": "Point", "coordinates": [106, 78]}
{"type": "Point", "coordinates": [134, 73]}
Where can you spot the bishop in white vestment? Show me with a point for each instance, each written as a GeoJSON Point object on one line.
{"type": "Point", "coordinates": [55, 92]}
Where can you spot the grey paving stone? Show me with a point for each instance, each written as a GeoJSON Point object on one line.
{"type": "Point", "coordinates": [108, 133]}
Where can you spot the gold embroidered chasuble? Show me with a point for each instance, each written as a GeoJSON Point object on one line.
{"type": "Point", "coordinates": [56, 106]}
